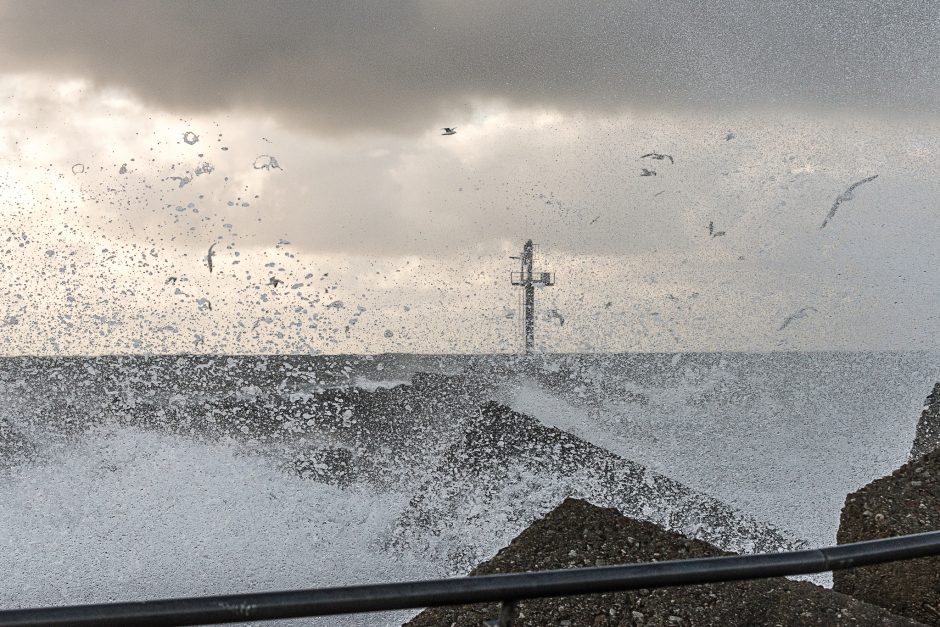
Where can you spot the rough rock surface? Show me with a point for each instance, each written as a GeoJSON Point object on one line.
{"type": "Point", "coordinates": [927, 437]}
{"type": "Point", "coordinates": [578, 534]}
{"type": "Point", "coordinates": [907, 501]}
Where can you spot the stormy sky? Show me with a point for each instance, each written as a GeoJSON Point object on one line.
{"type": "Point", "coordinates": [339, 67]}
{"type": "Point", "coordinates": [112, 110]}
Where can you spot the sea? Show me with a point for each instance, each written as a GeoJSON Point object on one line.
{"type": "Point", "coordinates": [144, 477]}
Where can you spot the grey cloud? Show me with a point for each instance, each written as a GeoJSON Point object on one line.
{"type": "Point", "coordinates": [400, 66]}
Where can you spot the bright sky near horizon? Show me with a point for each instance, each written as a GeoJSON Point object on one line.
{"type": "Point", "coordinates": [134, 135]}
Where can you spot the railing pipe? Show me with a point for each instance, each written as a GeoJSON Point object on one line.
{"type": "Point", "coordinates": [483, 589]}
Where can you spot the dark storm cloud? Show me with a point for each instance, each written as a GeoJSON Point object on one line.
{"type": "Point", "coordinates": [341, 65]}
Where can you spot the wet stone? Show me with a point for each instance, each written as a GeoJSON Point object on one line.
{"type": "Point", "coordinates": [904, 505]}
{"type": "Point", "coordinates": [578, 525]}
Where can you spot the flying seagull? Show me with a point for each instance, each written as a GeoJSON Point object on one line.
{"type": "Point", "coordinates": [646, 172]}
{"type": "Point", "coordinates": [554, 314]}
{"type": "Point", "coordinates": [846, 195]}
{"type": "Point", "coordinates": [274, 281]}
{"type": "Point", "coordinates": [449, 131]}
{"type": "Point", "coordinates": [713, 232]}
{"type": "Point", "coordinates": [796, 316]}
{"type": "Point", "coordinates": [658, 157]}
{"type": "Point", "coordinates": [210, 255]}
{"type": "Point", "coordinates": [595, 220]}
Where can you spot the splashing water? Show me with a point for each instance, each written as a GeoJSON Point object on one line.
{"type": "Point", "coordinates": [255, 481]}
{"type": "Point", "coordinates": [127, 514]}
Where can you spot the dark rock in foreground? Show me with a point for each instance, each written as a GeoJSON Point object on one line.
{"type": "Point", "coordinates": [927, 436]}
{"type": "Point", "coordinates": [905, 502]}
{"type": "Point", "coordinates": [579, 534]}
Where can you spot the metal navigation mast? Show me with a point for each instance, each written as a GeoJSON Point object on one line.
{"type": "Point", "coordinates": [529, 280]}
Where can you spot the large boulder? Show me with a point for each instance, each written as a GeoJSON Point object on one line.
{"type": "Point", "coordinates": [927, 436]}
{"type": "Point", "coordinates": [577, 534]}
{"type": "Point", "coordinates": [905, 502]}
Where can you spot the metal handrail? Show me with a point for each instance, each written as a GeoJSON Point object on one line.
{"type": "Point", "coordinates": [504, 588]}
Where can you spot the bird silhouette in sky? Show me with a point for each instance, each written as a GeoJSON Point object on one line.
{"type": "Point", "coordinates": [802, 313]}
{"type": "Point", "coordinates": [210, 255]}
{"type": "Point", "coordinates": [658, 157]}
{"type": "Point", "coordinates": [844, 196]}
{"type": "Point", "coordinates": [713, 232]}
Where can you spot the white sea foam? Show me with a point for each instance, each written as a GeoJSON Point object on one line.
{"type": "Point", "coordinates": [785, 444]}
{"type": "Point", "coordinates": [372, 384]}
{"type": "Point", "coordinates": [133, 515]}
